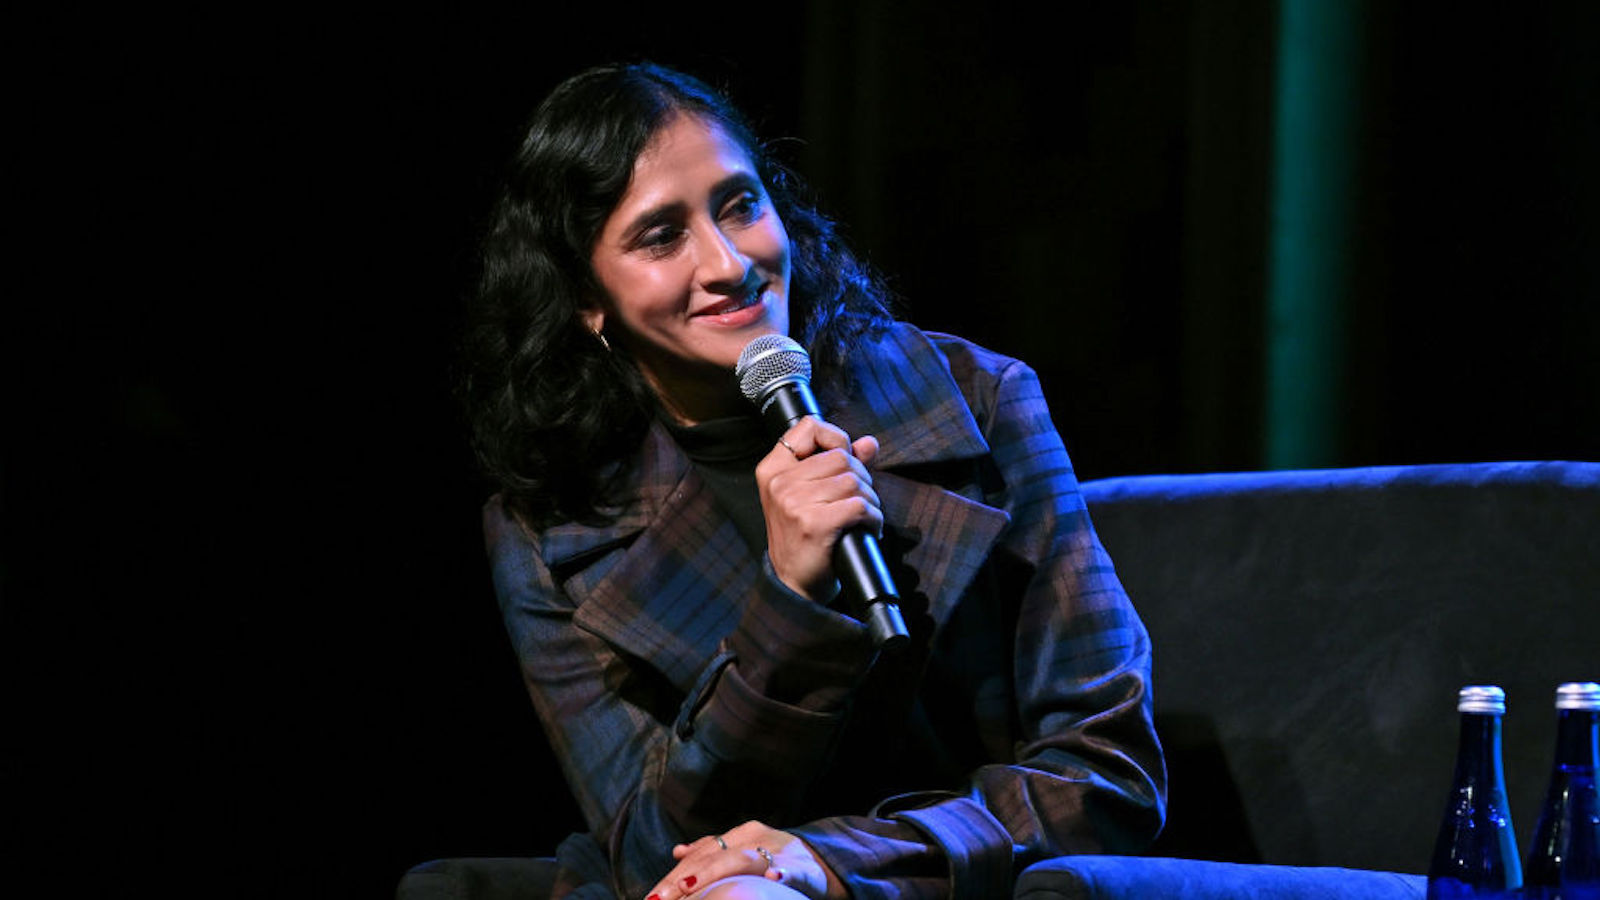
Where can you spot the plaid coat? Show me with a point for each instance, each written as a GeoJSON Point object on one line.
{"type": "Point", "coordinates": [687, 691]}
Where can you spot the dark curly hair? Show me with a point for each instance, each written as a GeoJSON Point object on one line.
{"type": "Point", "coordinates": [555, 418]}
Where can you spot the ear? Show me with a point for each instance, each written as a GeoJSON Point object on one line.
{"type": "Point", "coordinates": [593, 318]}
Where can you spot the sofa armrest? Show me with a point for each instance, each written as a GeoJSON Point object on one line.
{"type": "Point", "coordinates": [1131, 877]}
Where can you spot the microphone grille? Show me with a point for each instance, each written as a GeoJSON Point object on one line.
{"type": "Point", "coordinates": [768, 361]}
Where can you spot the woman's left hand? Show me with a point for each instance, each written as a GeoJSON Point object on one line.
{"type": "Point", "coordinates": [749, 849]}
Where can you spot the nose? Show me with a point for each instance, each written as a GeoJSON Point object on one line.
{"type": "Point", "coordinates": [723, 268]}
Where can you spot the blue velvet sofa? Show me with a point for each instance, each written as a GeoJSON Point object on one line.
{"type": "Point", "coordinates": [1311, 630]}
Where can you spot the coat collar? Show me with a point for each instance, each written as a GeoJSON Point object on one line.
{"type": "Point", "coordinates": [905, 396]}
{"type": "Point", "coordinates": [676, 589]}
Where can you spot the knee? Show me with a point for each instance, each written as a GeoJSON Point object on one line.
{"type": "Point", "coordinates": [750, 887]}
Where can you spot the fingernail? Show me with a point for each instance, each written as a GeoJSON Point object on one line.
{"type": "Point", "coordinates": [690, 881]}
{"type": "Point", "coordinates": [653, 897]}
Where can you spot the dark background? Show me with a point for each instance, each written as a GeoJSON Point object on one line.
{"type": "Point", "coordinates": [248, 627]}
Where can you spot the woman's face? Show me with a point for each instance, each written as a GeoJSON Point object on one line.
{"type": "Point", "coordinates": [693, 263]}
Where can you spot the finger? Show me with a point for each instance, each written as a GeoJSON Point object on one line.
{"type": "Point", "coordinates": [696, 847]}
{"type": "Point", "coordinates": [811, 435]}
{"type": "Point", "coordinates": [794, 445]}
{"type": "Point", "coordinates": [867, 515]}
{"type": "Point", "coordinates": [800, 440]}
{"type": "Point", "coordinates": [839, 510]}
{"type": "Point", "coordinates": [824, 465]}
{"type": "Point", "coordinates": [841, 488]}
{"type": "Point", "coordinates": [865, 449]}
{"type": "Point", "coordinates": [672, 885]}
{"type": "Point", "coordinates": [830, 437]}
{"type": "Point", "coordinates": [778, 475]}
{"type": "Point", "coordinates": [696, 874]}
{"type": "Point", "coordinates": [705, 860]}
{"type": "Point", "coordinates": [683, 880]}
{"type": "Point", "coordinates": [820, 481]}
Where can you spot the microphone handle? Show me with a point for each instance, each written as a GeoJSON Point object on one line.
{"type": "Point", "coordinates": [857, 560]}
{"type": "Point", "coordinates": [858, 563]}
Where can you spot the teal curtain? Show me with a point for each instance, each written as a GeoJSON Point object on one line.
{"type": "Point", "coordinates": [1310, 236]}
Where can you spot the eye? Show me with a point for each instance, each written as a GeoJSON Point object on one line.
{"type": "Point", "coordinates": [744, 207]}
{"type": "Point", "coordinates": [660, 240]}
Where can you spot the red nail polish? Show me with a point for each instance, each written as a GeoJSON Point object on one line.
{"type": "Point", "coordinates": [653, 897]}
{"type": "Point", "coordinates": [690, 881]}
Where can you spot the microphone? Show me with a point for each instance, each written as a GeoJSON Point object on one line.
{"type": "Point", "coordinates": [775, 374]}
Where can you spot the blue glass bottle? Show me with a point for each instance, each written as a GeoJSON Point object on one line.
{"type": "Point", "coordinates": [1476, 852]}
{"type": "Point", "coordinates": [1564, 861]}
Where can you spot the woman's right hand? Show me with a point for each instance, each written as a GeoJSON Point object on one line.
{"type": "Point", "coordinates": [814, 487]}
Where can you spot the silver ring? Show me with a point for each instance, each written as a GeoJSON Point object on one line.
{"type": "Point", "coordinates": [788, 448]}
{"type": "Point", "coordinates": [720, 842]}
{"type": "Point", "coordinates": [762, 851]}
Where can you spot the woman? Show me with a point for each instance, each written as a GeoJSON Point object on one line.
{"type": "Point", "coordinates": [663, 567]}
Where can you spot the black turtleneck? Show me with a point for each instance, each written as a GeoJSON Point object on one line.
{"type": "Point", "coordinates": [725, 453]}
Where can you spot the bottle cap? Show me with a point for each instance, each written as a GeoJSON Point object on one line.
{"type": "Point", "coordinates": [1584, 695]}
{"type": "Point", "coordinates": [1485, 699]}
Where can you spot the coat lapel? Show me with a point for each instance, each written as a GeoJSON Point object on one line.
{"type": "Point", "coordinates": [677, 585]}
{"type": "Point", "coordinates": [940, 538]}
{"type": "Point", "coordinates": [905, 396]}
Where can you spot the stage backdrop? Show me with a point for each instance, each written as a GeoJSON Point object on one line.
{"type": "Point", "coordinates": [249, 631]}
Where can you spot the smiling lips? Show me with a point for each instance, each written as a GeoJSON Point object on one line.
{"type": "Point", "coordinates": [733, 304]}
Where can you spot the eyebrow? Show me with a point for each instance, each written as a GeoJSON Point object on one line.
{"type": "Point", "coordinates": [667, 212]}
